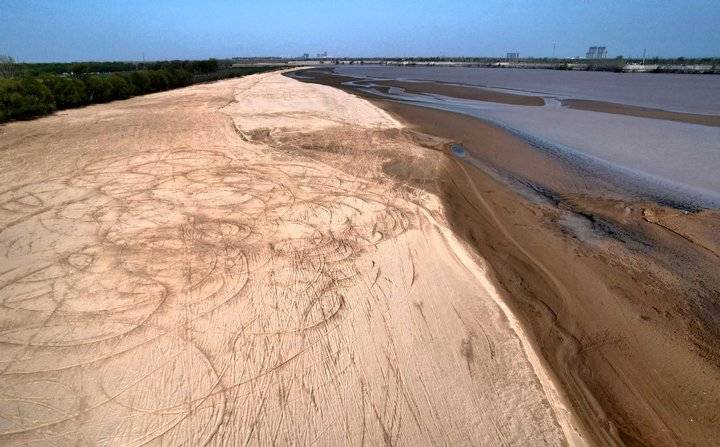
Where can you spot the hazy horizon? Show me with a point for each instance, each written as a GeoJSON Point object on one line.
{"type": "Point", "coordinates": [57, 31]}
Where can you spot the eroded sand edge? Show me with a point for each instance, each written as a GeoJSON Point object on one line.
{"type": "Point", "coordinates": [229, 263]}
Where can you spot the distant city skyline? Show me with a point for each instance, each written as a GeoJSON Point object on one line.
{"type": "Point", "coordinates": [54, 30]}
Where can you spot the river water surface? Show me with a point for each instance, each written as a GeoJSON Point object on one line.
{"type": "Point", "coordinates": [669, 160]}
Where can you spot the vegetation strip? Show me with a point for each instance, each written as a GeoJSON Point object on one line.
{"type": "Point", "coordinates": [32, 90]}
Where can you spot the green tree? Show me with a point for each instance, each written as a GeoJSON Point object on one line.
{"type": "Point", "coordinates": [140, 81]}
{"type": "Point", "coordinates": [120, 87]}
{"type": "Point", "coordinates": [67, 92]}
{"type": "Point", "coordinates": [158, 80]}
{"type": "Point", "coordinates": [178, 77]}
{"type": "Point", "coordinates": [24, 98]}
{"type": "Point", "coordinates": [208, 66]}
{"type": "Point", "coordinates": [99, 88]}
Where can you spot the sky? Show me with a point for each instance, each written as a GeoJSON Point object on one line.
{"type": "Point", "coordinates": [76, 30]}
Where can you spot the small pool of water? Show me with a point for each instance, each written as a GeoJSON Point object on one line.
{"type": "Point", "coordinates": [458, 150]}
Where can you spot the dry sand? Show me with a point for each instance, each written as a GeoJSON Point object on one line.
{"type": "Point", "coordinates": [244, 262]}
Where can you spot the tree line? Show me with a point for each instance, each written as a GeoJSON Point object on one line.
{"type": "Point", "coordinates": [80, 68]}
{"type": "Point", "coordinates": [31, 95]}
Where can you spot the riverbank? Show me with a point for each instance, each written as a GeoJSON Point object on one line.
{"type": "Point", "coordinates": [620, 296]}
{"type": "Point", "coordinates": [249, 262]}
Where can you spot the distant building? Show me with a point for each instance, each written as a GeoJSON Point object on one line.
{"type": "Point", "coordinates": [596, 53]}
{"type": "Point", "coordinates": [322, 55]}
{"type": "Point", "coordinates": [513, 56]}
{"type": "Point", "coordinates": [306, 56]}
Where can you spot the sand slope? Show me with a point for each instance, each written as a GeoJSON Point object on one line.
{"type": "Point", "coordinates": [169, 275]}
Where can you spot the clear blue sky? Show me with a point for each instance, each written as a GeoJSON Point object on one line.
{"type": "Point", "coordinates": [69, 30]}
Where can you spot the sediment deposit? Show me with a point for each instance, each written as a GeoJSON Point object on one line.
{"type": "Point", "coordinates": [233, 263]}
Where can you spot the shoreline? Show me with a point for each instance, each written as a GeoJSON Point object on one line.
{"type": "Point", "coordinates": [613, 175]}
{"type": "Point", "coordinates": [517, 97]}
{"type": "Point", "coordinates": [612, 251]}
{"type": "Point", "coordinates": [550, 168]}
{"type": "Point", "coordinates": [634, 89]}
{"type": "Point", "coordinates": [617, 169]}
{"type": "Point", "coordinates": [264, 254]}
{"type": "Point", "coordinates": [238, 263]}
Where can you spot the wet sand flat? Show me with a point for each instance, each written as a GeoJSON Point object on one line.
{"type": "Point", "coordinates": [645, 112]}
{"type": "Point", "coordinates": [464, 92]}
{"type": "Point", "coordinates": [243, 262]}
